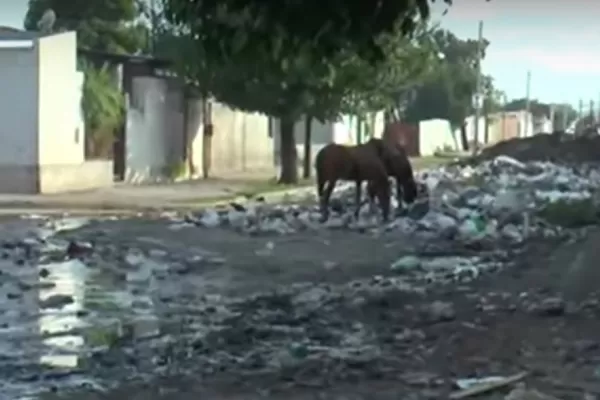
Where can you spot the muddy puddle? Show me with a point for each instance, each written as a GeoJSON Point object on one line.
{"type": "Point", "coordinates": [57, 315]}
{"type": "Point", "coordinates": [137, 308]}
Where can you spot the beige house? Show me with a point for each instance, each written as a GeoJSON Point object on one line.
{"type": "Point", "coordinates": [41, 129]}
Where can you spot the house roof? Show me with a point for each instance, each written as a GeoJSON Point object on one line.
{"type": "Point", "coordinates": [124, 58]}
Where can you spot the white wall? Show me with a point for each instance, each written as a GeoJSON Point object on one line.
{"type": "Point", "coordinates": [240, 142]}
{"type": "Point", "coordinates": [59, 101]}
{"type": "Point", "coordinates": [18, 105]}
{"type": "Point", "coordinates": [434, 135]}
{"type": "Point", "coordinates": [526, 126]}
{"type": "Point", "coordinates": [321, 134]}
{"type": "Point", "coordinates": [146, 149]}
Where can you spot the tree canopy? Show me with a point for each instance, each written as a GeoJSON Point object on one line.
{"type": "Point", "coordinates": [289, 59]}
{"type": "Point", "coordinates": [332, 24]}
{"type": "Point", "coordinates": [105, 25]}
{"type": "Point", "coordinates": [448, 94]}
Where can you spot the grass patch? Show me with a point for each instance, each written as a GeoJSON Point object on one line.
{"type": "Point", "coordinates": [572, 213]}
{"type": "Point", "coordinates": [419, 163]}
{"type": "Point", "coordinates": [250, 189]}
{"type": "Point", "coordinates": [271, 186]}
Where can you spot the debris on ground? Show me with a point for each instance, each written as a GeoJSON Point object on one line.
{"type": "Point", "coordinates": [557, 148]}
{"type": "Point", "coordinates": [459, 293]}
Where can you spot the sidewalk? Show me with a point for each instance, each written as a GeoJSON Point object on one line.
{"type": "Point", "coordinates": [185, 195]}
{"type": "Point", "coordinates": [129, 199]}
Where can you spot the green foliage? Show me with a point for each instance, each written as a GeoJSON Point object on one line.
{"type": "Point", "coordinates": [103, 103]}
{"type": "Point", "coordinates": [327, 26]}
{"type": "Point", "coordinates": [571, 214]}
{"type": "Point", "coordinates": [288, 59]}
{"type": "Point", "coordinates": [105, 25]}
{"type": "Point", "coordinates": [176, 170]}
{"type": "Point", "coordinates": [448, 94]}
{"type": "Point", "coordinates": [276, 74]}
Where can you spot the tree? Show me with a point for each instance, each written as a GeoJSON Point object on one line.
{"type": "Point", "coordinates": [252, 61]}
{"type": "Point", "coordinates": [448, 93]}
{"type": "Point", "coordinates": [105, 25]}
{"type": "Point", "coordinates": [332, 24]}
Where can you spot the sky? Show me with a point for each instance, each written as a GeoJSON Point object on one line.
{"type": "Point", "coordinates": [550, 38]}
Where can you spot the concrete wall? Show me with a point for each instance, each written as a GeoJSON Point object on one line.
{"type": "Point", "coordinates": [240, 141]}
{"type": "Point", "coordinates": [59, 101]}
{"type": "Point", "coordinates": [61, 156]}
{"type": "Point", "coordinates": [146, 146]}
{"type": "Point", "coordinates": [157, 139]}
{"type": "Point", "coordinates": [321, 134]}
{"type": "Point", "coordinates": [58, 178]}
{"type": "Point", "coordinates": [42, 125]}
{"type": "Point", "coordinates": [18, 113]}
{"type": "Point", "coordinates": [435, 135]}
{"type": "Point", "coordinates": [524, 123]}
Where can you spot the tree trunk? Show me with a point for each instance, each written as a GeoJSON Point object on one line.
{"type": "Point", "coordinates": [359, 130]}
{"type": "Point", "coordinates": [207, 150]}
{"type": "Point", "coordinates": [289, 156]}
{"type": "Point", "coordinates": [307, 148]}
{"type": "Point", "coordinates": [463, 137]}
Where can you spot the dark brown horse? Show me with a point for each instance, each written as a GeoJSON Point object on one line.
{"type": "Point", "coordinates": [397, 166]}
{"type": "Point", "coordinates": [360, 163]}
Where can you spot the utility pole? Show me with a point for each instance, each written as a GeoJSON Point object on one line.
{"type": "Point", "coordinates": [579, 124]}
{"type": "Point", "coordinates": [154, 20]}
{"type": "Point", "coordinates": [478, 99]}
{"type": "Point", "coordinates": [527, 103]}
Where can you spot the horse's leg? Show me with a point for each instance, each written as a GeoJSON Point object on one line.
{"type": "Point", "coordinates": [324, 200]}
{"type": "Point", "coordinates": [372, 193]}
{"type": "Point", "coordinates": [320, 184]}
{"type": "Point", "coordinates": [383, 194]}
{"type": "Point", "coordinates": [358, 196]}
{"type": "Point", "coordinates": [399, 196]}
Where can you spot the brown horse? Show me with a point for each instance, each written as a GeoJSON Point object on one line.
{"type": "Point", "coordinates": [397, 166]}
{"type": "Point", "coordinates": [360, 163]}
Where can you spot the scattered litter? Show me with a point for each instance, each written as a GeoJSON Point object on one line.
{"type": "Point", "coordinates": [477, 387]}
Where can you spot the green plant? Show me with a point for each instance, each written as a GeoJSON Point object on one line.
{"type": "Point", "coordinates": [103, 104]}
{"type": "Point", "coordinates": [571, 213]}
{"type": "Point", "coordinates": [176, 170]}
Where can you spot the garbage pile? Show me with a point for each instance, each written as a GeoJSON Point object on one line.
{"type": "Point", "coordinates": [501, 199]}
{"type": "Point", "coordinates": [556, 147]}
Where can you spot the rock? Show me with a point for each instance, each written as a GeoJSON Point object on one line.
{"type": "Point", "coordinates": [210, 219]}
{"type": "Point", "coordinates": [573, 267]}
{"type": "Point", "coordinates": [56, 301]}
{"type": "Point", "coordinates": [439, 311]}
{"type": "Point", "coordinates": [75, 249]}
{"type": "Point", "coordinates": [550, 307]}
{"type": "Point", "coordinates": [406, 263]}
{"type": "Point", "coordinates": [522, 393]}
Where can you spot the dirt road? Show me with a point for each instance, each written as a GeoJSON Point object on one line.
{"type": "Point", "coordinates": [321, 315]}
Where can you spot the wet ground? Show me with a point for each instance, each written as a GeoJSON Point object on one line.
{"type": "Point", "coordinates": [155, 310]}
